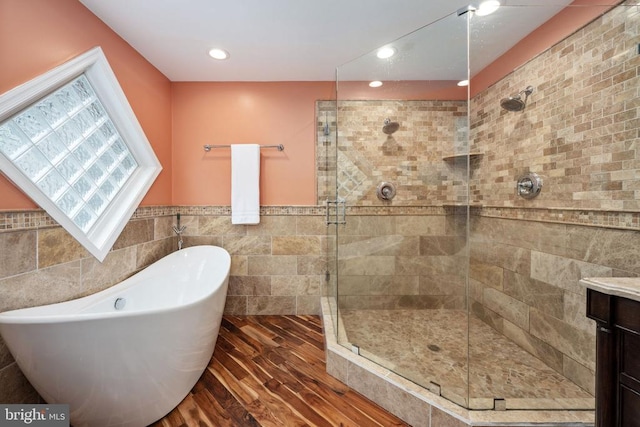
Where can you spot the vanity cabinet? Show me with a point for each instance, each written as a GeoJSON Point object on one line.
{"type": "Point", "coordinates": [614, 304]}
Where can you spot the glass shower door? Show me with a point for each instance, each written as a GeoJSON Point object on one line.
{"type": "Point", "coordinates": [401, 168]}
{"type": "Point", "coordinates": [326, 170]}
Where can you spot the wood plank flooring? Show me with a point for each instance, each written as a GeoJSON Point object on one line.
{"type": "Point", "coordinates": [270, 371]}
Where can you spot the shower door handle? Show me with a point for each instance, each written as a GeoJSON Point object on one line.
{"type": "Point", "coordinates": [326, 213]}
{"type": "Point", "coordinates": [338, 204]}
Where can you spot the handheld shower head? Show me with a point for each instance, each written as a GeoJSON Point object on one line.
{"type": "Point", "coordinates": [515, 102]}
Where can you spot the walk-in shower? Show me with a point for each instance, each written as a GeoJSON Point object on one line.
{"type": "Point", "coordinates": [459, 285]}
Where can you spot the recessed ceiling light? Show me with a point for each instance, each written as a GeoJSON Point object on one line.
{"type": "Point", "coordinates": [218, 53]}
{"type": "Point", "coordinates": [463, 83]}
{"type": "Point", "coordinates": [375, 83]}
{"type": "Point", "coordinates": [487, 7]}
{"type": "Point", "coordinates": [385, 52]}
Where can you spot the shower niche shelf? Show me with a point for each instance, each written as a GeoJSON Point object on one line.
{"type": "Point", "coordinates": [462, 156]}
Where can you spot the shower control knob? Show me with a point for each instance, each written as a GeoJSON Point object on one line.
{"type": "Point", "coordinates": [386, 191]}
{"type": "Point", "coordinates": [529, 185]}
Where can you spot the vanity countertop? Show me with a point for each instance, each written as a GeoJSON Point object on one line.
{"type": "Point", "coordinates": [625, 287]}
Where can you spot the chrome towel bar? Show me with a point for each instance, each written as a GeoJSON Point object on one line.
{"type": "Point", "coordinates": [208, 147]}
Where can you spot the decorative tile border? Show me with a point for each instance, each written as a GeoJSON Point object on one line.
{"type": "Point", "coordinates": [25, 219]}
{"type": "Point", "coordinates": [36, 218]}
{"type": "Point", "coordinates": [29, 219]}
{"type": "Point", "coordinates": [593, 218]}
{"type": "Point", "coordinates": [264, 210]}
{"type": "Point", "coordinates": [396, 210]}
{"type": "Point", "coordinates": [154, 211]}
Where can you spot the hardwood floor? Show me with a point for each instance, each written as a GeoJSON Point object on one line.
{"type": "Point", "coordinates": [270, 371]}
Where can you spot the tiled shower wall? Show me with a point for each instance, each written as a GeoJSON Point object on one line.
{"type": "Point", "coordinates": [580, 128]}
{"type": "Point", "coordinates": [579, 131]}
{"type": "Point", "coordinates": [407, 258]}
{"type": "Point", "coordinates": [523, 279]}
{"type": "Point", "coordinates": [404, 253]}
{"type": "Point", "coordinates": [414, 158]}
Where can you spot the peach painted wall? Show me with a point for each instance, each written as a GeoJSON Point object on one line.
{"type": "Point", "coordinates": [37, 35]}
{"type": "Point", "coordinates": [265, 113]}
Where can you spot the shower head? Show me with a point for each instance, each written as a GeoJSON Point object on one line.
{"type": "Point", "coordinates": [389, 126]}
{"type": "Point", "coordinates": [515, 102]}
{"type": "Point", "coordinates": [512, 103]}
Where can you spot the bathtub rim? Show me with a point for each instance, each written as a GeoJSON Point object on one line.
{"type": "Point", "coordinates": [22, 316]}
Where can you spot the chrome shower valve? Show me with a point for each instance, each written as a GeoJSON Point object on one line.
{"type": "Point", "coordinates": [529, 185]}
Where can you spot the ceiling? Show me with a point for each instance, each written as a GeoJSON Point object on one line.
{"type": "Point", "coordinates": [298, 40]}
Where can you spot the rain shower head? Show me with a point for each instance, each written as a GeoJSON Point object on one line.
{"type": "Point", "coordinates": [515, 102]}
{"type": "Point", "coordinates": [390, 127]}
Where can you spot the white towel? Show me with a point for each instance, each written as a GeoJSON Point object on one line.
{"type": "Point", "coordinates": [245, 184]}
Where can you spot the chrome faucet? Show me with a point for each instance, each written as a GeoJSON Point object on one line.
{"type": "Point", "coordinates": [178, 229]}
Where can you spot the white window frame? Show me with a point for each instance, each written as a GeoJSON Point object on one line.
{"type": "Point", "coordinates": [99, 239]}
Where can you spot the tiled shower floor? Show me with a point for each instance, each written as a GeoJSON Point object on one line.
{"type": "Point", "coordinates": [429, 347]}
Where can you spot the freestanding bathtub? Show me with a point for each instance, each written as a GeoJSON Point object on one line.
{"type": "Point", "coordinates": [128, 355]}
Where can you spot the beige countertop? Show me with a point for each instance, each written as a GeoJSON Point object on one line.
{"type": "Point", "coordinates": [626, 287]}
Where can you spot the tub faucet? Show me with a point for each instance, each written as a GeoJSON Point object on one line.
{"type": "Point", "coordinates": [178, 229]}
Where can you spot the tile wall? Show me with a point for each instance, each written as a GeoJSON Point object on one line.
{"type": "Point", "coordinates": [277, 266]}
{"type": "Point", "coordinates": [579, 131]}
{"type": "Point", "coordinates": [580, 127]}
{"type": "Point", "coordinates": [412, 158]}
{"type": "Point", "coordinates": [523, 279]}
{"type": "Point", "coordinates": [406, 258]}
{"type": "Point", "coordinates": [404, 253]}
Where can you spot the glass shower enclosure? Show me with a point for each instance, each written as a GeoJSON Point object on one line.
{"type": "Point", "coordinates": [415, 280]}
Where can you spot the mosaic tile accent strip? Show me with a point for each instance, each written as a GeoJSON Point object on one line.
{"type": "Point", "coordinates": [593, 218]}
{"type": "Point", "coordinates": [154, 211]}
{"type": "Point", "coordinates": [396, 210]}
{"type": "Point", "coordinates": [264, 210]}
{"type": "Point", "coordinates": [34, 219]}
{"type": "Point", "coordinates": [26, 219]}
{"type": "Point", "coordinates": [37, 218]}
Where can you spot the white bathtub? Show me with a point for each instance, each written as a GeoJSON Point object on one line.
{"type": "Point", "coordinates": [132, 366]}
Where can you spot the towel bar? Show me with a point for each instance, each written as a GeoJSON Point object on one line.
{"type": "Point", "coordinates": [208, 147]}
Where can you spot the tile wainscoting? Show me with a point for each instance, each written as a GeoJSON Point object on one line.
{"type": "Point", "coordinates": [519, 259]}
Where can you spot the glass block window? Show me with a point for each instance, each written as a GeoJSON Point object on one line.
{"type": "Point", "coordinates": [74, 158]}
{"type": "Point", "coordinates": [70, 149]}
